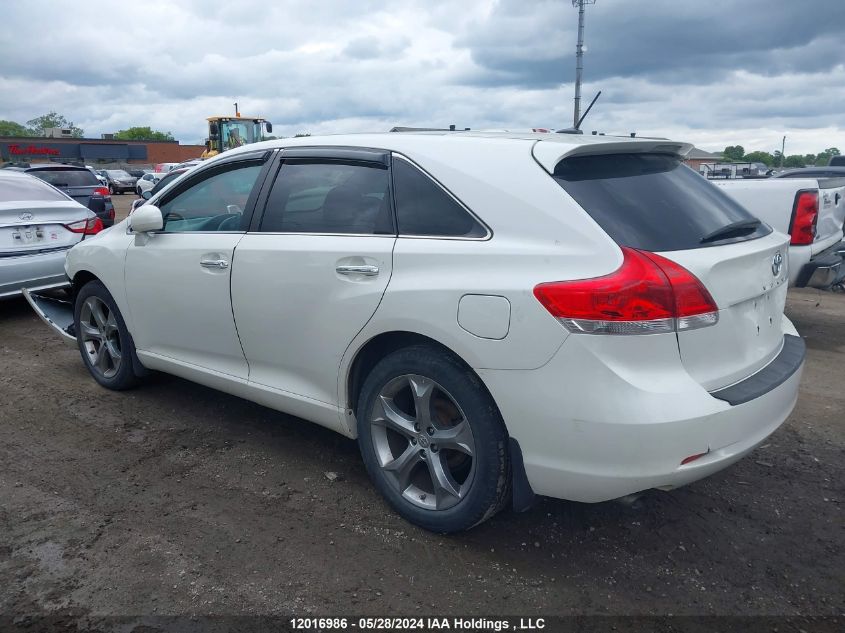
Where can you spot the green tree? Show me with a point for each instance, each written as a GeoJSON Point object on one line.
{"type": "Point", "coordinates": [10, 128]}
{"type": "Point", "coordinates": [824, 157]}
{"type": "Point", "coordinates": [734, 152]}
{"type": "Point", "coordinates": [794, 160]}
{"type": "Point", "coordinates": [52, 119]}
{"type": "Point", "coordinates": [760, 157]}
{"type": "Point", "coordinates": [143, 134]}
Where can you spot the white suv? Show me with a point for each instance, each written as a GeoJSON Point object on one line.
{"type": "Point", "coordinates": [493, 316]}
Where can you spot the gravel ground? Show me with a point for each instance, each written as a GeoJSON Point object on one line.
{"type": "Point", "coordinates": [176, 499]}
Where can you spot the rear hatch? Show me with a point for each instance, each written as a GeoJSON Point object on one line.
{"type": "Point", "coordinates": [654, 203]}
{"type": "Point", "coordinates": [37, 228]}
{"type": "Point", "coordinates": [78, 183]}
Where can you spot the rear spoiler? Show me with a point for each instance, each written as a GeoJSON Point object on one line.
{"type": "Point", "coordinates": [549, 153]}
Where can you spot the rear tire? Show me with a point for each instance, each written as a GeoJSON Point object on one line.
{"type": "Point", "coordinates": [433, 440]}
{"type": "Point", "coordinates": [103, 339]}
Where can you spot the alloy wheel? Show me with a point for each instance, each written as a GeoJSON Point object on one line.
{"type": "Point", "coordinates": [423, 442]}
{"type": "Point", "coordinates": [100, 336]}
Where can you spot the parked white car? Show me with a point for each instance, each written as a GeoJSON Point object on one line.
{"type": "Point", "coordinates": [811, 211]}
{"type": "Point", "coordinates": [491, 315]}
{"type": "Point", "coordinates": [148, 181]}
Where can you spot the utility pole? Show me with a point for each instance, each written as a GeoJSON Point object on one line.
{"type": "Point", "coordinates": [579, 57]}
{"type": "Point", "coordinates": [782, 150]}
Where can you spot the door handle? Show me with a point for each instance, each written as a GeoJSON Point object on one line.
{"type": "Point", "coordinates": [217, 264]}
{"type": "Point", "coordinates": [367, 271]}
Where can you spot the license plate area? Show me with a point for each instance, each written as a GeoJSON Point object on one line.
{"type": "Point", "coordinates": [30, 235]}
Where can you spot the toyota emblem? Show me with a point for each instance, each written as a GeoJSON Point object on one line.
{"type": "Point", "coordinates": [26, 215]}
{"type": "Point", "coordinates": [777, 263]}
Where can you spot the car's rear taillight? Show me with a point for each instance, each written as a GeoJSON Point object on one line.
{"type": "Point", "coordinates": [101, 192]}
{"type": "Point", "coordinates": [91, 226]}
{"type": "Point", "coordinates": [805, 215]}
{"type": "Point", "coordinates": [648, 294]}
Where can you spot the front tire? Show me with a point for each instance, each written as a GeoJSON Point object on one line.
{"type": "Point", "coordinates": [433, 440]}
{"type": "Point", "coordinates": [103, 339]}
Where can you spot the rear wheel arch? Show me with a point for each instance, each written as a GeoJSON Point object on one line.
{"type": "Point", "coordinates": [378, 347]}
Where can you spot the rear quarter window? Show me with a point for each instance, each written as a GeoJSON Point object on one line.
{"type": "Point", "coordinates": [652, 201]}
{"type": "Point", "coordinates": [423, 208]}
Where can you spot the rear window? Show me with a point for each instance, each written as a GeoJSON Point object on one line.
{"type": "Point", "coordinates": [66, 177]}
{"type": "Point", "coordinates": [653, 201]}
{"type": "Point", "coordinates": [28, 189]}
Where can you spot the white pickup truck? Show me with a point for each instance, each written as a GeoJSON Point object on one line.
{"type": "Point", "coordinates": [811, 211]}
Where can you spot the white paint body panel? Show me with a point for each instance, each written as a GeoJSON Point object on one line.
{"type": "Point", "coordinates": [597, 417]}
{"type": "Point", "coordinates": [179, 309]}
{"type": "Point", "coordinates": [296, 315]}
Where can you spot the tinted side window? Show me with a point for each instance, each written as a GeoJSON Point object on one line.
{"type": "Point", "coordinates": [651, 201]}
{"type": "Point", "coordinates": [329, 197]}
{"type": "Point", "coordinates": [215, 203]}
{"type": "Point", "coordinates": [423, 208]}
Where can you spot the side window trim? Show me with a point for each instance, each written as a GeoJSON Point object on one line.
{"type": "Point", "coordinates": [323, 154]}
{"type": "Point", "coordinates": [458, 201]}
{"type": "Point", "coordinates": [218, 168]}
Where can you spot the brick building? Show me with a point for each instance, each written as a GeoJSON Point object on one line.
{"type": "Point", "coordinates": [95, 151]}
{"type": "Point", "coordinates": [698, 156]}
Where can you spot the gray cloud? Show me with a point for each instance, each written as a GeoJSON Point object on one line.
{"type": "Point", "coordinates": [716, 72]}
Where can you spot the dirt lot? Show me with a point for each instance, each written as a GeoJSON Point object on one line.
{"type": "Point", "coordinates": [175, 499]}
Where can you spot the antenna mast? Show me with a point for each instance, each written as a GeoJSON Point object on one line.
{"type": "Point", "coordinates": [579, 57]}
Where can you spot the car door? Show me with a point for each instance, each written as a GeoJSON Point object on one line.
{"type": "Point", "coordinates": [313, 268]}
{"type": "Point", "coordinates": [177, 279]}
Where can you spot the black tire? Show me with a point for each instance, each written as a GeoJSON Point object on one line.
{"type": "Point", "coordinates": [118, 376]}
{"type": "Point", "coordinates": [489, 481]}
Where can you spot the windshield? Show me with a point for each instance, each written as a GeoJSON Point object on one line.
{"type": "Point", "coordinates": [117, 173]}
{"type": "Point", "coordinates": [237, 133]}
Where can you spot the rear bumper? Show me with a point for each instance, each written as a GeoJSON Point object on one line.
{"type": "Point", "coordinates": [593, 430]}
{"type": "Point", "coordinates": [823, 270]}
{"type": "Point", "coordinates": [40, 270]}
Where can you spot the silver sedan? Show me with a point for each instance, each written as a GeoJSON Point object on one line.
{"type": "Point", "coordinates": [38, 224]}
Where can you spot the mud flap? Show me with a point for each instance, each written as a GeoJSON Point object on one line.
{"type": "Point", "coordinates": [56, 313]}
{"type": "Point", "coordinates": [523, 495]}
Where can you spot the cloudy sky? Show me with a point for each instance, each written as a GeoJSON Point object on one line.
{"type": "Point", "coordinates": [713, 72]}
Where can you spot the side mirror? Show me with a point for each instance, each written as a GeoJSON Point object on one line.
{"type": "Point", "coordinates": [213, 130]}
{"type": "Point", "coordinates": [269, 127]}
{"type": "Point", "coordinates": [146, 195]}
{"type": "Point", "coordinates": [146, 218]}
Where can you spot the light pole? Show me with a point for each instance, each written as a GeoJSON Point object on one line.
{"type": "Point", "coordinates": [579, 57]}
